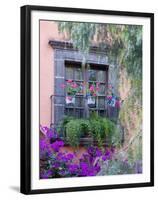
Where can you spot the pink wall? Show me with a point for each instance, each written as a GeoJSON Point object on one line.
{"type": "Point", "coordinates": [48, 31]}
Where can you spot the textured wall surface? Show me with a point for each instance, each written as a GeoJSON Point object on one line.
{"type": "Point", "coordinates": [48, 31]}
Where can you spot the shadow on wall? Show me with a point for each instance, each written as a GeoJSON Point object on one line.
{"type": "Point", "coordinates": [15, 188]}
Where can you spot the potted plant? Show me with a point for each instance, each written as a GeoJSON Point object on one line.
{"type": "Point", "coordinates": [91, 95]}
{"type": "Point", "coordinates": [73, 132]}
{"type": "Point", "coordinates": [111, 99]}
{"type": "Point", "coordinates": [72, 88]}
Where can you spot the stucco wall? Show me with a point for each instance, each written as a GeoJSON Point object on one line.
{"type": "Point", "coordinates": [48, 31]}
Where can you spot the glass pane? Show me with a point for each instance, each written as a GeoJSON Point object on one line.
{"type": "Point", "coordinates": [81, 113]}
{"type": "Point", "coordinates": [101, 102]}
{"type": "Point", "coordinates": [101, 76]}
{"type": "Point", "coordinates": [78, 74]}
{"type": "Point", "coordinates": [102, 89]}
{"type": "Point", "coordinates": [69, 73]}
{"type": "Point", "coordinates": [69, 111]}
{"type": "Point", "coordinates": [79, 102]}
{"type": "Point", "coordinates": [92, 75]}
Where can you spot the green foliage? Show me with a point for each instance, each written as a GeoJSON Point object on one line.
{"type": "Point", "coordinates": [71, 90]}
{"type": "Point", "coordinates": [73, 132]}
{"type": "Point", "coordinates": [97, 127]}
{"type": "Point", "coordinates": [81, 33]}
{"type": "Point", "coordinates": [63, 123]}
{"type": "Point", "coordinates": [125, 41]}
{"type": "Point", "coordinates": [116, 137]}
{"type": "Point", "coordinates": [85, 126]}
{"type": "Point", "coordinates": [102, 128]}
{"type": "Point", "coordinates": [75, 129]}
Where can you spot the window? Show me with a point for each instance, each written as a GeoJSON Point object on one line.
{"type": "Point", "coordinates": [65, 68]}
{"type": "Point", "coordinates": [92, 74]}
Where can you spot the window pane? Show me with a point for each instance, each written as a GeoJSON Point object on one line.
{"type": "Point", "coordinates": [101, 102]}
{"type": "Point", "coordinates": [69, 73]}
{"type": "Point", "coordinates": [102, 89]}
{"type": "Point", "coordinates": [79, 113]}
{"type": "Point", "coordinates": [69, 111]}
{"type": "Point", "coordinates": [79, 102]}
{"type": "Point", "coordinates": [78, 74]}
{"type": "Point", "coordinates": [101, 76]}
{"type": "Point", "coordinates": [92, 75]}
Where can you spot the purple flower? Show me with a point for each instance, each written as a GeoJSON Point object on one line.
{"type": "Point", "coordinates": [98, 153]}
{"type": "Point", "coordinates": [57, 145]}
{"type": "Point", "coordinates": [94, 151]}
{"type": "Point", "coordinates": [49, 133]}
{"type": "Point", "coordinates": [43, 144]}
{"type": "Point", "coordinates": [63, 172]}
{"type": "Point", "coordinates": [91, 150]}
{"type": "Point", "coordinates": [113, 149]}
{"type": "Point", "coordinates": [62, 157]}
{"type": "Point", "coordinates": [84, 165]}
{"type": "Point", "coordinates": [69, 156]}
{"type": "Point", "coordinates": [54, 134]}
{"type": "Point", "coordinates": [90, 173]}
{"type": "Point", "coordinates": [104, 158]}
{"type": "Point", "coordinates": [87, 157]}
{"type": "Point", "coordinates": [88, 170]}
{"type": "Point", "coordinates": [107, 155]}
{"type": "Point", "coordinates": [43, 129]}
{"type": "Point", "coordinates": [84, 168]}
{"type": "Point", "coordinates": [59, 156]}
{"type": "Point", "coordinates": [73, 168]}
{"type": "Point", "coordinates": [56, 165]}
{"type": "Point", "coordinates": [46, 174]}
{"type": "Point", "coordinates": [97, 168]}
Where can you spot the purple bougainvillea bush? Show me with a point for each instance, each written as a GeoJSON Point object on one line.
{"type": "Point", "coordinates": [56, 163]}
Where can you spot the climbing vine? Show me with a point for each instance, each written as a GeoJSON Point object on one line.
{"type": "Point", "coordinates": [124, 44]}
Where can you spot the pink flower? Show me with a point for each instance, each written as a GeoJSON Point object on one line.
{"type": "Point", "coordinates": [91, 88]}
{"type": "Point", "coordinates": [109, 97]}
{"type": "Point", "coordinates": [69, 81]}
{"type": "Point", "coordinates": [97, 84]}
{"type": "Point", "coordinates": [117, 105]}
{"type": "Point", "coordinates": [74, 85]}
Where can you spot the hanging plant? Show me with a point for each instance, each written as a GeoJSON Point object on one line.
{"type": "Point", "coordinates": [71, 88]}
{"type": "Point", "coordinates": [111, 99]}
{"type": "Point", "coordinates": [92, 92]}
{"type": "Point", "coordinates": [91, 101]}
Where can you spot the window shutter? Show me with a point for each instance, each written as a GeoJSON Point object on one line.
{"type": "Point", "coordinates": [59, 100]}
